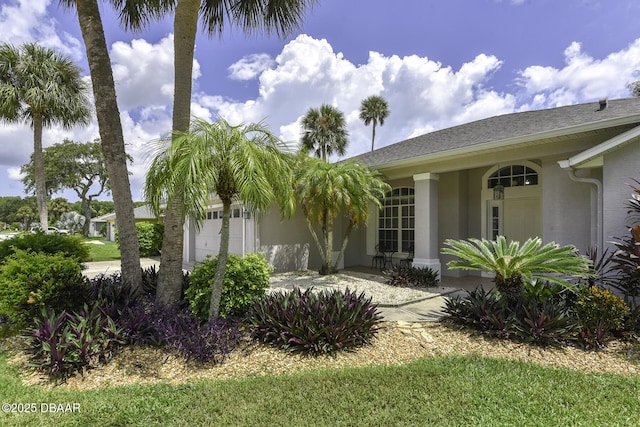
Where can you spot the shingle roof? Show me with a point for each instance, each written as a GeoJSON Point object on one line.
{"type": "Point", "coordinates": [523, 125]}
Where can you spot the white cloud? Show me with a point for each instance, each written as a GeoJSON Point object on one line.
{"type": "Point", "coordinates": [23, 21]}
{"type": "Point", "coordinates": [143, 72]}
{"type": "Point", "coordinates": [583, 78]}
{"type": "Point", "coordinates": [422, 94]}
{"type": "Point", "coordinates": [250, 66]}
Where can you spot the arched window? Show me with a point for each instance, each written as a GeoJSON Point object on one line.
{"type": "Point", "coordinates": [513, 176]}
{"type": "Point", "coordinates": [396, 220]}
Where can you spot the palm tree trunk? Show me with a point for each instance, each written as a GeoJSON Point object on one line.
{"type": "Point", "coordinates": [221, 268]}
{"type": "Point", "coordinates": [345, 241]}
{"type": "Point", "coordinates": [112, 139]}
{"type": "Point", "coordinates": [316, 240]}
{"type": "Point", "coordinates": [169, 289]}
{"type": "Point", "coordinates": [185, 26]}
{"type": "Point", "coordinates": [327, 231]}
{"type": "Point", "coordinates": [38, 172]}
{"type": "Point", "coordinates": [373, 135]}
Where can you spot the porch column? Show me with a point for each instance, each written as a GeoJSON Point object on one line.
{"type": "Point", "coordinates": [426, 225]}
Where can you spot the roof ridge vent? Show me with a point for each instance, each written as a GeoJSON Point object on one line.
{"type": "Point", "coordinates": [603, 103]}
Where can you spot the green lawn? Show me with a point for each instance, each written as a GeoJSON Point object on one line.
{"type": "Point", "coordinates": [108, 251]}
{"type": "Point", "coordinates": [450, 391]}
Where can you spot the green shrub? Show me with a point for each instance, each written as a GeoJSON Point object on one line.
{"type": "Point", "coordinates": [149, 238]}
{"type": "Point", "coordinates": [600, 312]}
{"type": "Point", "coordinates": [314, 323]}
{"type": "Point", "coordinates": [245, 281]}
{"type": "Point", "coordinates": [30, 282]}
{"type": "Point", "coordinates": [421, 277]}
{"type": "Point", "coordinates": [69, 246]}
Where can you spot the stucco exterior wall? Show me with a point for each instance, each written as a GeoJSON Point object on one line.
{"type": "Point", "coordinates": [568, 207]}
{"type": "Point", "coordinates": [620, 168]}
{"type": "Point", "coordinates": [453, 213]}
{"type": "Point", "coordinates": [287, 244]}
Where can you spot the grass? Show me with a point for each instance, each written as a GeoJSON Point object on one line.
{"type": "Point", "coordinates": [449, 391]}
{"type": "Point", "coordinates": [108, 251]}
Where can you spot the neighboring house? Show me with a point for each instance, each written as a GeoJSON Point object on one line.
{"type": "Point", "coordinates": [141, 214]}
{"type": "Point", "coordinates": [560, 173]}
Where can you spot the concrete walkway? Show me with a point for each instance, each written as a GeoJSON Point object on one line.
{"type": "Point", "coordinates": [426, 310]}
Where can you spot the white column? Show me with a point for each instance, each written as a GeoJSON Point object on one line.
{"type": "Point", "coordinates": [426, 226]}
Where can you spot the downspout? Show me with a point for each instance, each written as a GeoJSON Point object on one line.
{"type": "Point", "coordinates": [572, 174]}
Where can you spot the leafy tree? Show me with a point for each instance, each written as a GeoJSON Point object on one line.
{"type": "Point", "coordinates": [75, 166]}
{"type": "Point", "coordinates": [326, 191]}
{"type": "Point", "coordinates": [242, 162]}
{"type": "Point", "coordinates": [9, 205]}
{"type": "Point", "coordinates": [26, 215]}
{"type": "Point", "coordinates": [111, 136]}
{"type": "Point", "coordinates": [324, 131]}
{"type": "Point", "coordinates": [513, 263]}
{"type": "Point", "coordinates": [279, 16]}
{"type": "Point", "coordinates": [43, 88]}
{"type": "Point", "coordinates": [373, 111]}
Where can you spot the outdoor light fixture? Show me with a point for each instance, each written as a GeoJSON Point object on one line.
{"type": "Point", "coordinates": [246, 214]}
{"type": "Point", "coordinates": [498, 192]}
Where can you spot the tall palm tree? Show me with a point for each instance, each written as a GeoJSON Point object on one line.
{"type": "Point", "coordinates": [111, 136]}
{"type": "Point", "coordinates": [326, 191]}
{"type": "Point", "coordinates": [43, 88]}
{"type": "Point", "coordinates": [242, 162]}
{"type": "Point", "coordinates": [374, 110]}
{"type": "Point", "coordinates": [270, 16]}
{"type": "Point", "coordinates": [513, 263]}
{"type": "Point", "coordinates": [324, 131]}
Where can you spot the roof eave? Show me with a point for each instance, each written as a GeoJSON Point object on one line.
{"type": "Point", "coordinates": [592, 156]}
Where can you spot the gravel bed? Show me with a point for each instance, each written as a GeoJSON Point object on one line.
{"type": "Point", "coordinates": [371, 284]}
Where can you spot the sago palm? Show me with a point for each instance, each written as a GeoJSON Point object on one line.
{"type": "Point", "coordinates": [373, 111]}
{"type": "Point", "coordinates": [324, 131]}
{"type": "Point", "coordinates": [512, 263]}
{"type": "Point", "coordinates": [242, 162]}
{"type": "Point", "coordinates": [327, 191]}
{"type": "Point", "coordinates": [42, 88]}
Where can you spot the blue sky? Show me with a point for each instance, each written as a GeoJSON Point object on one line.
{"type": "Point", "coordinates": [438, 63]}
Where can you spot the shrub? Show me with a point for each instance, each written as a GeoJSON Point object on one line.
{"type": "Point", "coordinates": [600, 312]}
{"type": "Point", "coordinates": [314, 323]}
{"type": "Point", "coordinates": [423, 277]}
{"type": "Point", "coordinates": [542, 316]}
{"type": "Point", "coordinates": [62, 343]}
{"type": "Point", "coordinates": [69, 246]}
{"type": "Point", "coordinates": [184, 333]}
{"type": "Point", "coordinates": [149, 238]}
{"type": "Point", "coordinates": [30, 282]}
{"type": "Point", "coordinates": [544, 324]}
{"type": "Point", "coordinates": [150, 281]}
{"type": "Point", "coordinates": [245, 281]}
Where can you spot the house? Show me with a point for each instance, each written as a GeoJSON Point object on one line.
{"type": "Point", "coordinates": [108, 221]}
{"type": "Point", "coordinates": [559, 173]}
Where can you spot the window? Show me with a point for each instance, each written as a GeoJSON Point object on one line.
{"type": "Point", "coordinates": [236, 213]}
{"type": "Point", "coordinates": [513, 176]}
{"type": "Point", "coordinates": [215, 214]}
{"type": "Point", "coordinates": [396, 220]}
{"type": "Point", "coordinates": [209, 215]}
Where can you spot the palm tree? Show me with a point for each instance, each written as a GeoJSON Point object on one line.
{"type": "Point", "coordinates": [326, 191]}
{"type": "Point", "coordinates": [242, 162]}
{"type": "Point", "coordinates": [111, 136]}
{"type": "Point", "coordinates": [43, 88]}
{"type": "Point", "coordinates": [324, 131]}
{"type": "Point", "coordinates": [374, 110]}
{"type": "Point", "coordinates": [279, 16]}
{"type": "Point", "coordinates": [512, 263]}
